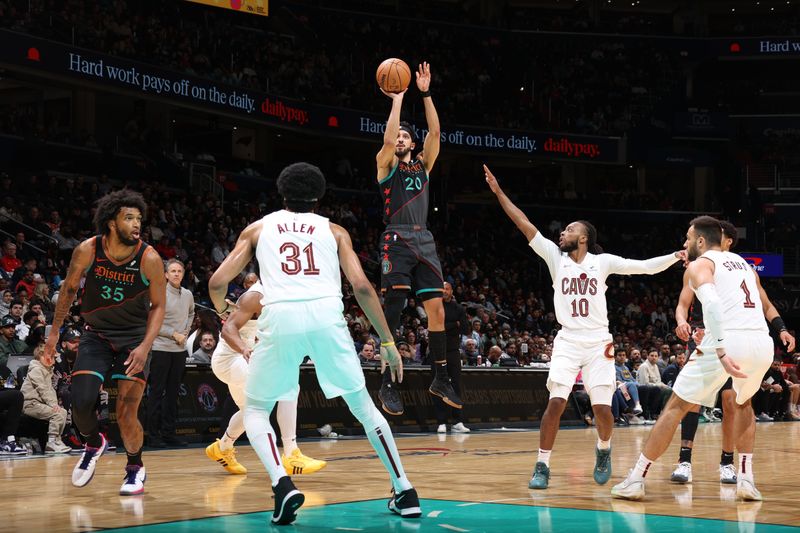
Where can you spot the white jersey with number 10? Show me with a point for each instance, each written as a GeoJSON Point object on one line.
{"type": "Point", "coordinates": [580, 288]}
{"type": "Point", "coordinates": [298, 258]}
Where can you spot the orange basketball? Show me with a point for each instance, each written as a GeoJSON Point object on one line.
{"type": "Point", "coordinates": [393, 75]}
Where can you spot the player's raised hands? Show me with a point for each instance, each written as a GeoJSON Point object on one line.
{"type": "Point", "coordinates": [491, 180]}
{"type": "Point", "coordinates": [395, 96]}
{"type": "Point", "coordinates": [424, 77]}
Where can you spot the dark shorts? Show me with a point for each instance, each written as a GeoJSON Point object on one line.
{"type": "Point", "coordinates": [409, 260]}
{"type": "Point", "coordinates": [102, 357]}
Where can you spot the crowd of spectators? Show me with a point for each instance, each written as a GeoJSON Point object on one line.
{"type": "Point", "coordinates": [600, 85]}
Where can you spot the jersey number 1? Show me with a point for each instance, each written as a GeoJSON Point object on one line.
{"type": "Point", "coordinates": [748, 303]}
{"type": "Point", "coordinates": [292, 265]}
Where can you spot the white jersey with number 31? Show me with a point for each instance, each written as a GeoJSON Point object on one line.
{"type": "Point", "coordinates": [298, 258]}
{"type": "Point", "coordinates": [738, 291]}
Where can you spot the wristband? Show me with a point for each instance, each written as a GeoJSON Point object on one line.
{"type": "Point", "coordinates": [778, 325]}
{"type": "Point", "coordinates": [426, 94]}
{"type": "Point", "coordinates": [385, 344]}
{"type": "Point", "coordinates": [227, 306]}
{"type": "Point", "coordinates": [723, 355]}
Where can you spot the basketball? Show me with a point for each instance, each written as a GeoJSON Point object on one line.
{"type": "Point", "coordinates": [393, 75]}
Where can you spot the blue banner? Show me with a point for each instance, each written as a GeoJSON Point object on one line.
{"type": "Point", "coordinates": [766, 265]}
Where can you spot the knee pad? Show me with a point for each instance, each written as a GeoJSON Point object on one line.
{"type": "Point", "coordinates": [601, 394]}
{"type": "Point", "coordinates": [689, 426]}
{"type": "Point", "coordinates": [85, 388]}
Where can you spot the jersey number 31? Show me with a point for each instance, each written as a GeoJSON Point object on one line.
{"type": "Point", "coordinates": [292, 265]}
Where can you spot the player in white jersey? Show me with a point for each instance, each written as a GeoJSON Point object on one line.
{"type": "Point", "coordinates": [736, 342]}
{"type": "Point", "coordinates": [684, 330]}
{"type": "Point", "coordinates": [230, 363]}
{"type": "Point", "coordinates": [299, 256]}
{"type": "Point", "coordinates": [579, 270]}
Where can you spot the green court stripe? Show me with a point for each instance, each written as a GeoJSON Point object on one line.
{"type": "Point", "coordinates": [372, 516]}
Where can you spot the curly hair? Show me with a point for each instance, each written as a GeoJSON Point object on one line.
{"type": "Point", "coordinates": [301, 185]}
{"type": "Point", "coordinates": [109, 206]}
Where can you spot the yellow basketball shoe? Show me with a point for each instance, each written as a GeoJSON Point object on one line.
{"type": "Point", "coordinates": [297, 463]}
{"type": "Point", "coordinates": [226, 458]}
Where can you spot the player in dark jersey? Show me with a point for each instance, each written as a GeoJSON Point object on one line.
{"type": "Point", "coordinates": [408, 251]}
{"type": "Point", "coordinates": [689, 316]}
{"type": "Point", "coordinates": [122, 305]}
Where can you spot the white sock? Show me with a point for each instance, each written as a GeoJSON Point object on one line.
{"type": "Point", "coordinates": [603, 444]}
{"type": "Point", "coordinates": [380, 437]}
{"type": "Point", "coordinates": [746, 466]}
{"type": "Point", "coordinates": [640, 470]}
{"type": "Point", "coordinates": [544, 456]}
{"type": "Point", "coordinates": [234, 431]}
{"type": "Point", "coordinates": [263, 440]}
{"type": "Point", "coordinates": [287, 421]}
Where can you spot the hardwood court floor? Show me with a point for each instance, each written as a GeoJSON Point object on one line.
{"type": "Point", "coordinates": [446, 470]}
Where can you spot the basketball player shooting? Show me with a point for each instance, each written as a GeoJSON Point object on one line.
{"type": "Point", "coordinates": [579, 270]}
{"type": "Point", "coordinates": [408, 250]}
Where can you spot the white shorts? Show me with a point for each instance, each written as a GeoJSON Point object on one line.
{"type": "Point", "coordinates": [593, 357]}
{"type": "Point", "coordinates": [231, 368]}
{"type": "Point", "coordinates": [703, 376]}
{"type": "Point", "coordinates": [293, 330]}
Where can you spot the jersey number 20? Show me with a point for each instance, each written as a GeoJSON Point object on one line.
{"type": "Point", "coordinates": [292, 265]}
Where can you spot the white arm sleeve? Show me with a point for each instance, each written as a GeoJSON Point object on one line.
{"type": "Point", "coordinates": [547, 250]}
{"type": "Point", "coordinates": [712, 315]}
{"type": "Point", "coordinates": [620, 265]}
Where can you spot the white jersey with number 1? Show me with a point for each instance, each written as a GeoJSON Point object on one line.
{"type": "Point", "coordinates": [580, 288]}
{"type": "Point", "coordinates": [738, 292]}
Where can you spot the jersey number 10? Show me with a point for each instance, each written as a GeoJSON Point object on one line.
{"type": "Point", "coordinates": [580, 307]}
{"type": "Point", "coordinates": [292, 265]}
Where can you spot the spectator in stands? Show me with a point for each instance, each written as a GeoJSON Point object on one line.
{"type": "Point", "coordinates": [9, 343]}
{"type": "Point", "coordinates": [626, 384]}
{"type": "Point", "coordinates": [773, 396]}
{"type": "Point", "coordinates": [168, 360]}
{"type": "Point", "coordinates": [29, 320]}
{"type": "Point", "coordinates": [10, 262]}
{"type": "Point", "coordinates": [471, 352]}
{"type": "Point", "coordinates": [15, 311]}
{"type": "Point", "coordinates": [41, 401]}
{"type": "Point", "coordinates": [367, 356]}
{"type": "Point", "coordinates": [11, 401]}
{"type": "Point", "coordinates": [24, 250]}
{"type": "Point", "coordinates": [27, 283]}
{"type": "Point", "coordinates": [409, 356]}
{"type": "Point", "coordinates": [202, 356]}
{"type": "Point", "coordinates": [670, 374]}
{"type": "Point", "coordinates": [5, 303]}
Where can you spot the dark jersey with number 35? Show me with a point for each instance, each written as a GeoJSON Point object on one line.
{"type": "Point", "coordinates": [405, 194]}
{"type": "Point", "coordinates": [116, 300]}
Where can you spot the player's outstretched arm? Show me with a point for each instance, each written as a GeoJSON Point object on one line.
{"type": "Point", "coordinates": [654, 265]}
{"type": "Point", "coordinates": [432, 140]}
{"type": "Point", "coordinates": [514, 213]}
{"type": "Point", "coordinates": [386, 158]}
{"type": "Point", "coordinates": [774, 318]}
{"type": "Point", "coordinates": [701, 275]}
{"type": "Point", "coordinates": [249, 304]}
{"type": "Point", "coordinates": [367, 299]}
{"type": "Point", "coordinates": [684, 330]}
{"type": "Point", "coordinates": [232, 265]}
{"type": "Point", "coordinates": [82, 257]}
